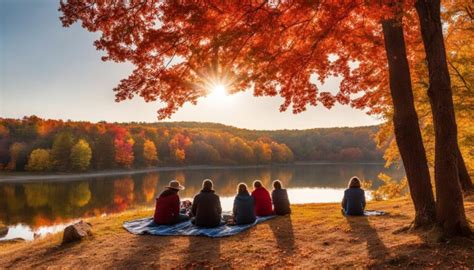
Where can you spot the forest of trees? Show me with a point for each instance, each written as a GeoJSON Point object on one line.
{"type": "Point", "coordinates": [379, 49]}
{"type": "Point", "coordinates": [38, 145]}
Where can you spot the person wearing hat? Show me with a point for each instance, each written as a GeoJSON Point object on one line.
{"type": "Point", "coordinates": [206, 207]}
{"type": "Point", "coordinates": [167, 205]}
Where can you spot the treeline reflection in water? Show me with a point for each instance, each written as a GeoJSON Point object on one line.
{"type": "Point", "coordinates": [40, 204]}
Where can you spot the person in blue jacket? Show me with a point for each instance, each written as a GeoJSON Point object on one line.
{"type": "Point", "coordinates": [244, 204]}
{"type": "Point", "coordinates": [353, 203]}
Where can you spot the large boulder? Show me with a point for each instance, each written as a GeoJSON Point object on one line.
{"type": "Point", "coordinates": [77, 232]}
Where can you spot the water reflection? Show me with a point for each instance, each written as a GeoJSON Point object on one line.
{"type": "Point", "coordinates": [34, 208]}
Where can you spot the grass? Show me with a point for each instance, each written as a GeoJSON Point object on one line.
{"type": "Point", "coordinates": [314, 236]}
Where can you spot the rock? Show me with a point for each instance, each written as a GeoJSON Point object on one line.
{"type": "Point", "coordinates": [77, 232]}
{"type": "Point", "coordinates": [3, 231]}
{"type": "Point", "coordinates": [12, 241]}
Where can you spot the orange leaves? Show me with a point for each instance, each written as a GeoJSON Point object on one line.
{"type": "Point", "coordinates": [272, 48]}
{"type": "Point", "coordinates": [149, 152]}
{"type": "Point", "coordinates": [179, 155]}
{"type": "Point", "coordinates": [177, 145]}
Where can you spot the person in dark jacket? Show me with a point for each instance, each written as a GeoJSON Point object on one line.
{"type": "Point", "coordinates": [167, 206]}
{"type": "Point", "coordinates": [243, 209]}
{"type": "Point", "coordinates": [281, 203]}
{"type": "Point", "coordinates": [263, 201]}
{"type": "Point", "coordinates": [206, 207]}
{"type": "Point", "coordinates": [353, 203]}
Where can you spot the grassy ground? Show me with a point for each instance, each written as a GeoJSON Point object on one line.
{"type": "Point", "coordinates": [315, 236]}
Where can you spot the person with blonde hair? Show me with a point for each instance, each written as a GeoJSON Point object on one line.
{"type": "Point", "coordinates": [281, 203]}
{"type": "Point", "coordinates": [243, 209]}
{"type": "Point", "coordinates": [206, 207]}
{"type": "Point", "coordinates": [353, 202]}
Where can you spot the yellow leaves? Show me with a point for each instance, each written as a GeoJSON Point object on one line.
{"type": "Point", "coordinates": [460, 51]}
{"type": "Point", "coordinates": [149, 152]}
{"type": "Point", "coordinates": [390, 189]}
{"type": "Point", "coordinates": [81, 155]}
{"type": "Point", "coordinates": [39, 160]}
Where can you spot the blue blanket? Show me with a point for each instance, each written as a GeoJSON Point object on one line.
{"type": "Point", "coordinates": [147, 226]}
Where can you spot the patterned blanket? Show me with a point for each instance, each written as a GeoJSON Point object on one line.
{"type": "Point", "coordinates": [147, 226]}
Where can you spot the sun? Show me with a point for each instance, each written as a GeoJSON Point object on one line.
{"type": "Point", "coordinates": [218, 90]}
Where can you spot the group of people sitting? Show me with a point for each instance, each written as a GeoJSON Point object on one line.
{"type": "Point", "coordinates": [206, 210]}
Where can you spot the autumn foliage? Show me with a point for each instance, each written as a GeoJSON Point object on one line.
{"type": "Point", "coordinates": [179, 47]}
{"type": "Point", "coordinates": [80, 146]}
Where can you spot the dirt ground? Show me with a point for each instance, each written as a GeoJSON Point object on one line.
{"type": "Point", "coordinates": [314, 236]}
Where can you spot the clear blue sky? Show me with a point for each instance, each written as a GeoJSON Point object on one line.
{"type": "Point", "coordinates": [55, 72]}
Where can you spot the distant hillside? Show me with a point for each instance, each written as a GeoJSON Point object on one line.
{"type": "Point", "coordinates": [317, 144]}
{"type": "Point", "coordinates": [37, 144]}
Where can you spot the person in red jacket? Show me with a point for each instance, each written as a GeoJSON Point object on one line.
{"type": "Point", "coordinates": [167, 206]}
{"type": "Point", "coordinates": [263, 201]}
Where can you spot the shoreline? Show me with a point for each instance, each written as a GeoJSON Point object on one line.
{"type": "Point", "coordinates": [317, 234]}
{"type": "Point", "coordinates": [28, 177]}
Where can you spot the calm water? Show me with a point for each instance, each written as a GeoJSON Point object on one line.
{"type": "Point", "coordinates": [33, 209]}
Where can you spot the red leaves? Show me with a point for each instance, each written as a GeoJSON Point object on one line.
{"type": "Point", "coordinates": [123, 147]}
{"type": "Point", "coordinates": [327, 99]}
{"type": "Point", "coordinates": [273, 47]}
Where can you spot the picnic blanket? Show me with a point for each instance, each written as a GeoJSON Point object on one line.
{"type": "Point", "coordinates": [374, 213]}
{"type": "Point", "coordinates": [147, 226]}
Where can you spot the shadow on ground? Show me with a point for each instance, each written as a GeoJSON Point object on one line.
{"type": "Point", "coordinates": [282, 229]}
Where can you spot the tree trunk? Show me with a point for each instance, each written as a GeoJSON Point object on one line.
{"type": "Point", "coordinates": [464, 178]}
{"type": "Point", "coordinates": [449, 200]}
{"type": "Point", "coordinates": [407, 129]}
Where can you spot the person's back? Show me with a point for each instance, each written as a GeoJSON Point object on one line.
{"type": "Point", "coordinates": [167, 205]}
{"type": "Point", "coordinates": [263, 201]}
{"type": "Point", "coordinates": [206, 207]}
{"type": "Point", "coordinates": [243, 209]}
{"type": "Point", "coordinates": [353, 202]}
{"type": "Point", "coordinates": [281, 203]}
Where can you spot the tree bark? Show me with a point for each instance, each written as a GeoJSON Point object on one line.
{"type": "Point", "coordinates": [464, 178]}
{"type": "Point", "coordinates": [449, 200]}
{"type": "Point", "coordinates": [407, 129]}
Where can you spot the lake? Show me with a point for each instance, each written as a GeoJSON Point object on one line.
{"type": "Point", "coordinates": [34, 208]}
